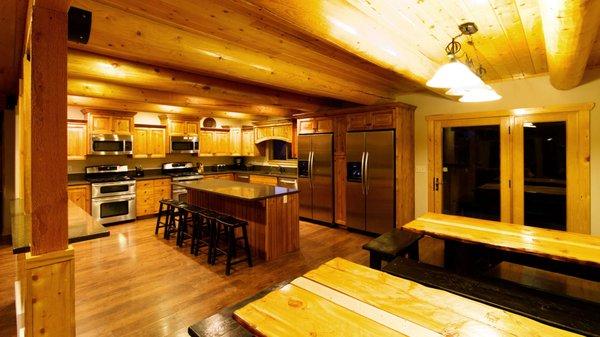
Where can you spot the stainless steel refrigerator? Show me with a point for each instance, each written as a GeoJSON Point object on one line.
{"type": "Point", "coordinates": [370, 161]}
{"type": "Point", "coordinates": [315, 176]}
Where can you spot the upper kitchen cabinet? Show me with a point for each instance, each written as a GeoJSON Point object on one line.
{"type": "Point", "coordinates": [315, 125]}
{"type": "Point", "coordinates": [183, 127]}
{"type": "Point", "coordinates": [371, 120]}
{"type": "Point", "coordinates": [249, 147]}
{"type": "Point", "coordinates": [281, 130]}
{"type": "Point", "coordinates": [149, 142]}
{"type": "Point", "coordinates": [235, 141]}
{"type": "Point", "coordinates": [76, 140]}
{"type": "Point", "coordinates": [110, 122]}
{"type": "Point", "coordinates": [214, 142]}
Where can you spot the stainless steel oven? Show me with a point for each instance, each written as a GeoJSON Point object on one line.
{"type": "Point", "coordinates": [113, 193]}
{"type": "Point", "coordinates": [184, 144]}
{"type": "Point", "coordinates": [110, 144]}
{"type": "Point", "coordinates": [113, 209]}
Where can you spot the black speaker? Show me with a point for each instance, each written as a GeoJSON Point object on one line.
{"type": "Point", "coordinates": [80, 25]}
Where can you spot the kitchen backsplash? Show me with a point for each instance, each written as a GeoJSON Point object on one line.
{"type": "Point", "coordinates": [78, 166]}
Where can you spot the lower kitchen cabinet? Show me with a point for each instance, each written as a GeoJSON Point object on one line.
{"type": "Point", "coordinates": [225, 176]}
{"type": "Point", "coordinates": [80, 196]}
{"type": "Point", "coordinates": [149, 193]}
{"type": "Point", "coordinates": [265, 180]}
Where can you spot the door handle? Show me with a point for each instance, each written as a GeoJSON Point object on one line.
{"type": "Point", "coordinates": [362, 173]}
{"type": "Point", "coordinates": [366, 173]}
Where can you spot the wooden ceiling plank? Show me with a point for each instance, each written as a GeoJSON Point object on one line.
{"type": "Point", "coordinates": [85, 65]}
{"type": "Point", "coordinates": [119, 33]}
{"type": "Point", "coordinates": [123, 105]}
{"type": "Point", "coordinates": [570, 29]}
{"type": "Point", "coordinates": [532, 26]}
{"type": "Point", "coordinates": [594, 60]}
{"type": "Point", "coordinates": [98, 89]}
{"type": "Point", "coordinates": [353, 31]}
{"type": "Point", "coordinates": [228, 21]}
{"type": "Point", "coordinates": [509, 19]}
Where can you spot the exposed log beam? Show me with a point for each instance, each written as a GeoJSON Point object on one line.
{"type": "Point", "coordinates": [117, 32]}
{"type": "Point", "coordinates": [98, 89]}
{"type": "Point", "coordinates": [110, 69]}
{"type": "Point", "coordinates": [353, 30]}
{"type": "Point", "coordinates": [570, 29]}
{"type": "Point", "coordinates": [113, 104]}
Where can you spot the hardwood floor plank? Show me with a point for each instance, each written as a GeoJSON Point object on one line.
{"type": "Point", "coordinates": [134, 283]}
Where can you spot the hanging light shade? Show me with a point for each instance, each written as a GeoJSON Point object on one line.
{"type": "Point", "coordinates": [461, 91]}
{"type": "Point", "coordinates": [453, 75]}
{"type": "Point", "coordinates": [482, 94]}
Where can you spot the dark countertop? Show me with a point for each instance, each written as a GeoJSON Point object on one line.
{"type": "Point", "coordinates": [237, 189]}
{"type": "Point", "coordinates": [82, 227]}
{"type": "Point", "coordinates": [76, 182]}
{"type": "Point", "coordinates": [258, 173]}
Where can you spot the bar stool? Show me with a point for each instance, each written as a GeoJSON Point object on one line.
{"type": "Point", "coordinates": [204, 227]}
{"type": "Point", "coordinates": [166, 209]}
{"type": "Point", "coordinates": [184, 220]}
{"type": "Point", "coordinates": [228, 225]}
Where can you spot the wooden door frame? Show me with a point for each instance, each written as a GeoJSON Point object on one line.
{"type": "Point", "coordinates": [578, 198]}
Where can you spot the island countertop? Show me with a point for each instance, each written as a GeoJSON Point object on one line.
{"type": "Point", "coordinates": [237, 189]}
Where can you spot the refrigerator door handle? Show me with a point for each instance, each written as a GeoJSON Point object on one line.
{"type": "Point", "coordinates": [311, 156]}
{"type": "Point", "coordinates": [366, 173]}
{"type": "Point", "coordinates": [362, 173]}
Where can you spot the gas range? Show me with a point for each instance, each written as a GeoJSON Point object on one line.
{"type": "Point", "coordinates": [181, 172]}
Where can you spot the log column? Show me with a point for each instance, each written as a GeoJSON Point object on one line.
{"type": "Point", "coordinates": [46, 274]}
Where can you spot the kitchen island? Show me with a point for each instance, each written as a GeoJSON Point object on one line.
{"type": "Point", "coordinates": [271, 212]}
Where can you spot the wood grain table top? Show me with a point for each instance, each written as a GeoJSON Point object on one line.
{"type": "Point", "coordinates": [341, 298]}
{"type": "Point", "coordinates": [553, 244]}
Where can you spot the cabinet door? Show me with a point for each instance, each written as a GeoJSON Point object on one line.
{"type": "Point", "coordinates": [191, 128]}
{"type": "Point", "coordinates": [235, 141]}
{"type": "Point", "coordinates": [140, 143]}
{"type": "Point", "coordinates": [323, 125]}
{"type": "Point", "coordinates": [356, 121]}
{"type": "Point", "coordinates": [80, 196]}
{"type": "Point", "coordinates": [382, 119]}
{"type": "Point", "coordinates": [221, 143]}
{"type": "Point", "coordinates": [206, 143]}
{"type": "Point", "coordinates": [283, 131]}
{"type": "Point", "coordinates": [264, 180]}
{"type": "Point", "coordinates": [122, 125]}
{"type": "Point", "coordinates": [177, 128]}
{"type": "Point", "coordinates": [102, 124]}
{"type": "Point", "coordinates": [306, 126]}
{"type": "Point", "coordinates": [76, 141]}
{"type": "Point", "coordinates": [156, 144]}
{"type": "Point", "coordinates": [248, 145]}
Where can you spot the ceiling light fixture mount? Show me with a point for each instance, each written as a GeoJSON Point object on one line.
{"type": "Point", "coordinates": [459, 77]}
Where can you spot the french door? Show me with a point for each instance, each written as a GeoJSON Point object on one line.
{"type": "Point", "coordinates": [527, 168]}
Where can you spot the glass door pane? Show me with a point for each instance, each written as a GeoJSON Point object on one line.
{"type": "Point", "coordinates": [471, 171]}
{"type": "Point", "coordinates": [545, 174]}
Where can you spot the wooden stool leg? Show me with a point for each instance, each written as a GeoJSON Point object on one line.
{"type": "Point", "coordinates": [247, 246]}
{"type": "Point", "coordinates": [375, 261]}
{"type": "Point", "coordinates": [167, 232]}
{"type": "Point", "coordinates": [230, 248]}
{"type": "Point", "coordinates": [160, 213]}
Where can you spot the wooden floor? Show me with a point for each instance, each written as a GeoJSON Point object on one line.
{"type": "Point", "coordinates": [133, 283]}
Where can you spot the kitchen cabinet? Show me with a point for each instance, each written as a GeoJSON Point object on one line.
{"type": "Point", "coordinates": [265, 180]}
{"type": "Point", "coordinates": [315, 125]}
{"type": "Point", "coordinates": [80, 196]}
{"type": "Point", "coordinates": [214, 142]}
{"type": "Point", "coordinates": [279, 131]}
{"type": "Point", "coordinates": [226, 176]}
{"type": "Point", "coordinates": [148, 194]}
{"type": "Point", "coordinates": [76, 140]}
{"type": "Point", "coordinates": [183, 127]}
{"type": "Point", "coordinates": [249, 147]}
{"type": "Point", "coordinates": [110, 123]}
{"type": "Point", "coordinates": [287, 182]}
{"type": "Point", "coordinates": [372, 120]}
{"type": "Point", "coordinates": [235, 141]}
{"type": "Point", "coordinates": [149, 143]}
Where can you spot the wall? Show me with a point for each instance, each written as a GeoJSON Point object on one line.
{"type": "Point", "coordinates": [8, 168]}
{"type": "Point", "coordinates": [523, 93]}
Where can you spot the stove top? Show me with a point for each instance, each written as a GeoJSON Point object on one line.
{"type": "Point", "coordinates": [108, 179]}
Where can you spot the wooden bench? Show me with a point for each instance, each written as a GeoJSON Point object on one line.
{"type": "Point", "coordinates": [567, 313]}
{"type": "Point", "coordinates": [391, 245]}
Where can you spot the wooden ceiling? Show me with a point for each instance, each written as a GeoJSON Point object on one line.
{"type": "Point", "coordinates": [279, 57]}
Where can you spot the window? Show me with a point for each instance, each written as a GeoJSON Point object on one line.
{"type": "Point", "coordinates": [280, 150]}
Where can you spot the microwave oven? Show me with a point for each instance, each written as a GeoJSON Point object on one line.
{"type": "Point", "coordinates": [110, 144]}
{"type": "Point", "coordinates": [184, 144]}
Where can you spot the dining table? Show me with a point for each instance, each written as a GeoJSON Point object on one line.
{"type": "Point", "coordinates": [343, 298]}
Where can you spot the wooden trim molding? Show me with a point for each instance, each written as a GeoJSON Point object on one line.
{"type": "Point", "coordinates": [513, 112]}
{"type": "Point", "coordinates": [358, 109]}
{"type": "Point", "coordinates": [151, 126]}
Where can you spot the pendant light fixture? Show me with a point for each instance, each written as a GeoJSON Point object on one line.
{"type": "Point", "coordinates": [458, 77]}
